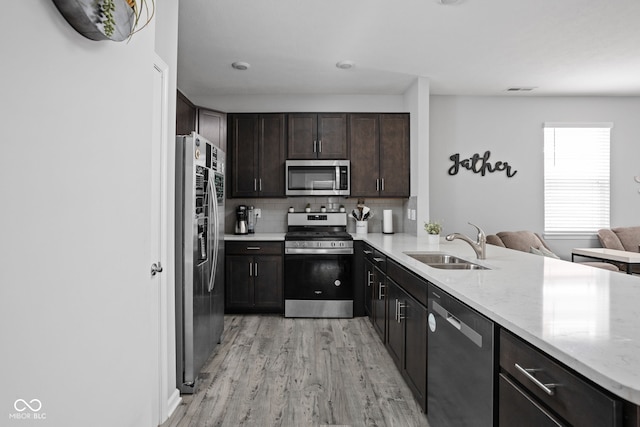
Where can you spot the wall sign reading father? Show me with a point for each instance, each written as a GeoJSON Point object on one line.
{"type": "Point", "coordinates": [478, 164]}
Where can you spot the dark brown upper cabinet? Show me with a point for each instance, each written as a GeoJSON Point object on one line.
{"type": "Point", "coordinates": [185, 115]}
{"type": "Point", "coordinates": [379, 153]}
{"type": "Point", "coordinates": [256, 155]}
{"type": "Point", "coordinates": [317, 136]}
{"type": "Point", "coordinates": [213, 126]}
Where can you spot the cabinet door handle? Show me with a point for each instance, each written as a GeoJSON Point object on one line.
{"type": "Point", "coordinates": [255, 268]}
{"type": "Point", "coordinates": [253, 248]}
{"type": "Point", "coordinates": [250, 269]}
{"type": "Point", "coordinates": [547, 388]}
{"type": "Point", "coordinates": [378, 259]}
{"type": "Point", "coordinates": [401, 316]}
{"type": "Point", "coordinates": [367, 252]}
{"type": "Point", "coordinates": [396, 312]}
{"type": "Point", "coordinates": [315, 146]}
{"type": "Point", "coordinates": [382, 185]}
{"type": "Point", "coordinates": [320, 146]}
{"type": "Point", "coordinates": [377, 185]}
{"type": "Point", "coordinates": [369, 277]}
{"type": "Point", "coordinates": [381, 288]}
{"type": "Point", "coordinates": [260, 185]}
{"type": "Point", "coordinates": [255, 184]}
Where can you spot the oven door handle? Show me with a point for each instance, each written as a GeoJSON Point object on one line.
{"type": "Point", "coordinates": [318, 251]}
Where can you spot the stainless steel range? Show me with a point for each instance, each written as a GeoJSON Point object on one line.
{"type": "Point", "coordinates": [318, 258]}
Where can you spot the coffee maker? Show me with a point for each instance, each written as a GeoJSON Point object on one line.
{"type": "Point", "coordinates": [241, 220]}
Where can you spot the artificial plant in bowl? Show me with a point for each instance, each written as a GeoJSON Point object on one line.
{"type": "Point", "coordinates": [433, 227]}
{"type": "Point", "coordinates": [114, 20]}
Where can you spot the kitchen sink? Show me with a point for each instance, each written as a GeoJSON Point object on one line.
{"type": "Point", "coordinates": [444, 261]}
{"type": "Point", "coordinates": [459, 266]}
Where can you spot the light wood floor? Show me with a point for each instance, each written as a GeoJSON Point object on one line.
{"type": "Point", "coordinates": [272, 371]}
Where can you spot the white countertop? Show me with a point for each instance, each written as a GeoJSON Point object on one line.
{"type": "Point", "coordinates": [586, 317]}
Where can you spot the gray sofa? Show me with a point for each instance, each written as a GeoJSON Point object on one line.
{"type": "Point", "coordinates": [528, 241]}
{"type": "Point", "coordinates": [621, 239]}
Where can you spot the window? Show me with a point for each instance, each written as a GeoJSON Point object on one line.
{"type": "Point", "coordinates": [576, 178]}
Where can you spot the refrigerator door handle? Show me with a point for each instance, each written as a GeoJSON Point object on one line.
{"type": "Point", "coordinates": [213, 220]}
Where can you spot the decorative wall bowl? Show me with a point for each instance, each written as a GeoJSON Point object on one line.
{"type": "Point", "coordinates": [86, 18]}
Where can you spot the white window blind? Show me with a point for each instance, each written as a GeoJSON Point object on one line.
{"type": "Point", "coordinates": [576, 177]}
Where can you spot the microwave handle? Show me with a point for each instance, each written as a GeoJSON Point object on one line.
{"type": "Point", "coordinates": [336, 184]}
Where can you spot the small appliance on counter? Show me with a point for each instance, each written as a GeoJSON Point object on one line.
{"type": "Point", "coordinates": [241, 220]}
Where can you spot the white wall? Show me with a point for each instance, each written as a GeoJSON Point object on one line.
{"type": "Point", "coordinates": [74, 183]}
{"type": "Point", "coordinates": [511, 129]}
{"type": "Point", "coordinates": [416, 100]}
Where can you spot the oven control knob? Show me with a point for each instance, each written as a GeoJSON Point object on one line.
{"type": "Point", "coordinates": [337, 283]}
{"type": "Point", "coordinates": [333, 244]}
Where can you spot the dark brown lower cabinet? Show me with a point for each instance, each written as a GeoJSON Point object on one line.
{"type": "Point", "coordinates": [254, 277]}
{"type": "Point", "coordinates": [368, 287]}
{"type": "Point", "coordinates": [379, 303]}
{"type": "Point", "coordinates": [407, 339]}
{"type": "Point", "coordinates": [554, 391]}
{"type": "Point", "coordinates": [516, 408]}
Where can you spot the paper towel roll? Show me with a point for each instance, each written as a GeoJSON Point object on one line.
{"type": "Point", "coordinates": [387, 221]}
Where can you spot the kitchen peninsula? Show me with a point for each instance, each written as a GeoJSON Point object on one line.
{"type": "Point", "coordinates": [583, 317]}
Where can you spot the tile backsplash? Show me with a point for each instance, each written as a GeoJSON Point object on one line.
{"type": "Point", "coordinates": [274, 212]}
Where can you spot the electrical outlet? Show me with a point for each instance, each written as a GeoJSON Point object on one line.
{"type": "Point", "coordinates": [258, 213]}
{"type": "Point", "coordinates": [413, 215]}
{"type": "Point", "coordinates": [408, 213]}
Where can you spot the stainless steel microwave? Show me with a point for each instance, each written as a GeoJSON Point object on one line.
{"type": "Point", "coordinates": [318, 177]}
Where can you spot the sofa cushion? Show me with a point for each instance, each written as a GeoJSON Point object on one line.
{"type": "Point", "coordinates": [520, 240]}
{"type": "Point", "coordinates": [547, 252]}
{"type": "Point", "coordinates": [629, 237]}
{"type": "Point", "coordinates": [492, 239]}
{"type": "Point", "coordinates": [609, 239]}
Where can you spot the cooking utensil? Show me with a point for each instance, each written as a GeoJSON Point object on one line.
{"type": "Point", "coordinates": [365, 212]}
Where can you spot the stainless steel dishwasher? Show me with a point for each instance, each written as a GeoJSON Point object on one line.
{"type": "Point", "coordinates": [460, 364]}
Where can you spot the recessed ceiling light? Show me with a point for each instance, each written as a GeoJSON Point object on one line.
{"type": "Point", "coordinates": [241, 65]}
{"type": "Point", "coordinates": [345, 65]}
{"type": "Point", "coordinates": [447, 1]}
{"type": "Point", "coordinates": [521, 89]}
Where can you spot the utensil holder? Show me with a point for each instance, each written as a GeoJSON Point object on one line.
{"type": "Point", "coordinates": [362, 227]}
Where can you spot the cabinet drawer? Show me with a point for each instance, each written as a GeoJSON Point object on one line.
{"type": "Point", "coordinates": [517, 408]}
{"type": "Point", "coordinates": [254, 248]}
{"type": "Point", "coordinates": [574, 399]}
{"type": "Point", "coordinates": [377, 258]}
{"type": "Point", "coordinates": [411, 283]}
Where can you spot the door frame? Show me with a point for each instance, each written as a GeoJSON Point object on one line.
{"type": "Point", "coordinates": [164, 401]}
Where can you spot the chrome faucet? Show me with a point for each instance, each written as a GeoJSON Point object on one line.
{"type": "Point", "coordinates": [479, 247]}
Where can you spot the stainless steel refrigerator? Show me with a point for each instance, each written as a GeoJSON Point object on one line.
{"type": "Point", "coordinates": [200, 168]}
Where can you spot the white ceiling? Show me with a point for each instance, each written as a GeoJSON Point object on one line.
{"type": "Point", "coordinates": [472, 47]}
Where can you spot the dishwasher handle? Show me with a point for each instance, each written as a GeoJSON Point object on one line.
{"type": "Point", "coordinates": [465, 329]}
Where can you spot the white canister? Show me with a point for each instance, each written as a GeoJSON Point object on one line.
{"type": "Point", "coordinates": [362, 227]}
